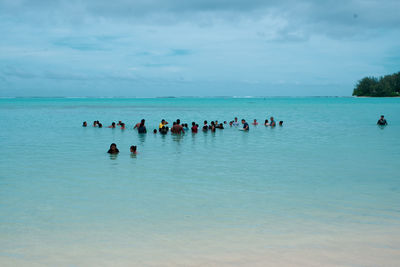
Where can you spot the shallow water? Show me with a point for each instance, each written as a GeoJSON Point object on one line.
{"type": "Point", "coordinates": [324, 189]}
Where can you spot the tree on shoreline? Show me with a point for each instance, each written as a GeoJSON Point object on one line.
{"type": "Point", "coordinates": [388, 85]}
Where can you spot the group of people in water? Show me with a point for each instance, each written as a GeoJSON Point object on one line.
{"type": "Point", "coordinates": [179, 128]}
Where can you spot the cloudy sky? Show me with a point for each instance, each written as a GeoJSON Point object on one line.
{"type": "Point", "coordinates": [195, 48]}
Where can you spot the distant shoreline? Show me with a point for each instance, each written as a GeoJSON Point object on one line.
{"type": "Point", "coordinates": [165, 97]}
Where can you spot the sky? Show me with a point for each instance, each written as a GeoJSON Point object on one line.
{"type": "Point", "coordinates": [148, 48]}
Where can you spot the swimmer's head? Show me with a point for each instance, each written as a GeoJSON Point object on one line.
{"type": "Point", "coordinates": [84, 124]}
{"type": "Point", "coordinates": [280, 123]}
{"type": "Point", "coordinates": [133, 149]}
{"type": "Point", "coordinates": [155, 131]}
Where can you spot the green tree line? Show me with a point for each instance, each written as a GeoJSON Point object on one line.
{"type": "Point", "coordinates": [388, 85]}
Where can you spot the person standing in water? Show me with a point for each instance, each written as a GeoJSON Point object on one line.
{"type": "Point", "coordinates": [162, 123]}
{"type": "Point", "coordinates": [272, 123]}
{"type": "Point", "coordinates": [382, 121]}
{"type": "Point", "coordinates": [245, 125]}
{"type": "Point", "coordinates": [235, 122]}
{"type": "Point", "coordinates": [194, 127]}
{"type": "Point", "coordinates": [177, 128]}
{"type": "Point", "coordinates": [205, 126]}
{"type": "Point", "coordinates": [255, 123]}
{"type": "Point", "coordinates": [142, 128]}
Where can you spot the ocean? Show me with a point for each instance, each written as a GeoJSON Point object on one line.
{"type": "Point", "coordinates": [322, 190]}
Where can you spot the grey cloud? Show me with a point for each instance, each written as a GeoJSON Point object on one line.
{"type": "Point", "coordinates": [83, 44]}
{"type": "Point", "coordinates": [18, 73]}
{"type": "Point", "coordinates": [327, 17]}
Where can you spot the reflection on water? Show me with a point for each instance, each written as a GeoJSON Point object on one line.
{"type": "Point", "coordinates": [177, 137]}
{"type": "Point", "coordinates": [142, 138]}
{"type": "Point", "coordinates": [113, 156]}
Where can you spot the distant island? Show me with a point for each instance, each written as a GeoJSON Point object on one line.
{"type": "Point", "coordinates": [388, 85]}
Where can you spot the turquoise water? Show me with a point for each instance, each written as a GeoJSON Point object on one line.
{"type": "Point", "coordinates": [324, 189]}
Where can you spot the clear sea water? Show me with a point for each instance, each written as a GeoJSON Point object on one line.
{"type": "Point", "coordinates": [323, 190]}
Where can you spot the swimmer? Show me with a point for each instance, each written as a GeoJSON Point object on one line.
{"type": "Point", "coordinates": [142, 128]}
{"type": "Point", "coordinates": [94, 123]}
{"type": "Point", "coordinates": [162, 123]}
{"type": "Point", "coordinates": [84, 124]}
{"type": "Point", "coordinates": [266, 123]}
{"type": "Point", "coordinates": [221, 126]}
{"type": "Point", "coordinates": [112, 125]}
{"type": "Point", "coordinates": [113, 149]}
{"type": "Point", "coordinates": [164, 130]}
{"type": "Point", "coordinates": [212, 126]}
{"type": "Point", "coordinates": [177, 128]}
{"type": "Point", "coordinates": [272, 123]}
{"type": "Point", "coordinates": [119, 123]}
{"type": "Point", "coordinates": [255, 123]}
{"type": "Point", "coordinates": [155, 131]}
{"type": "Point", "coordinates": [122, 126]}
{"type": "Point", "coordinates": [225, 122]}
{"type": "Point", "coordinates": [100, 125]}
{"type": "Point", "coordinates": [245, 125]}
{"type": "Point", "coordinates": [205, 126]}
{"type": "Point", "coordinates": [235, 122]}
{"type": "Point", "coordinates": [382, 121]}
{"type": "Point", "coordinates": [280, 123]}
{"type": "Point", "coordinates": [194, 127]}
{"type": "Point", "coordinates": [133, 150]}
{"type": "Point", "coordinates": [231, 123]}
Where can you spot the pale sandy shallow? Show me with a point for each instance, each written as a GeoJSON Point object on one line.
{"type": "Point", "coordinates": [378, 248]}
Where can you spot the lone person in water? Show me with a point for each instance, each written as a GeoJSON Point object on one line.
{"type": "Point", "coordinates": [84, 124]}
{"type": "Point", "coordinates": [382, 121]}
{"type": "Point", "coordinates": [113, 149]}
